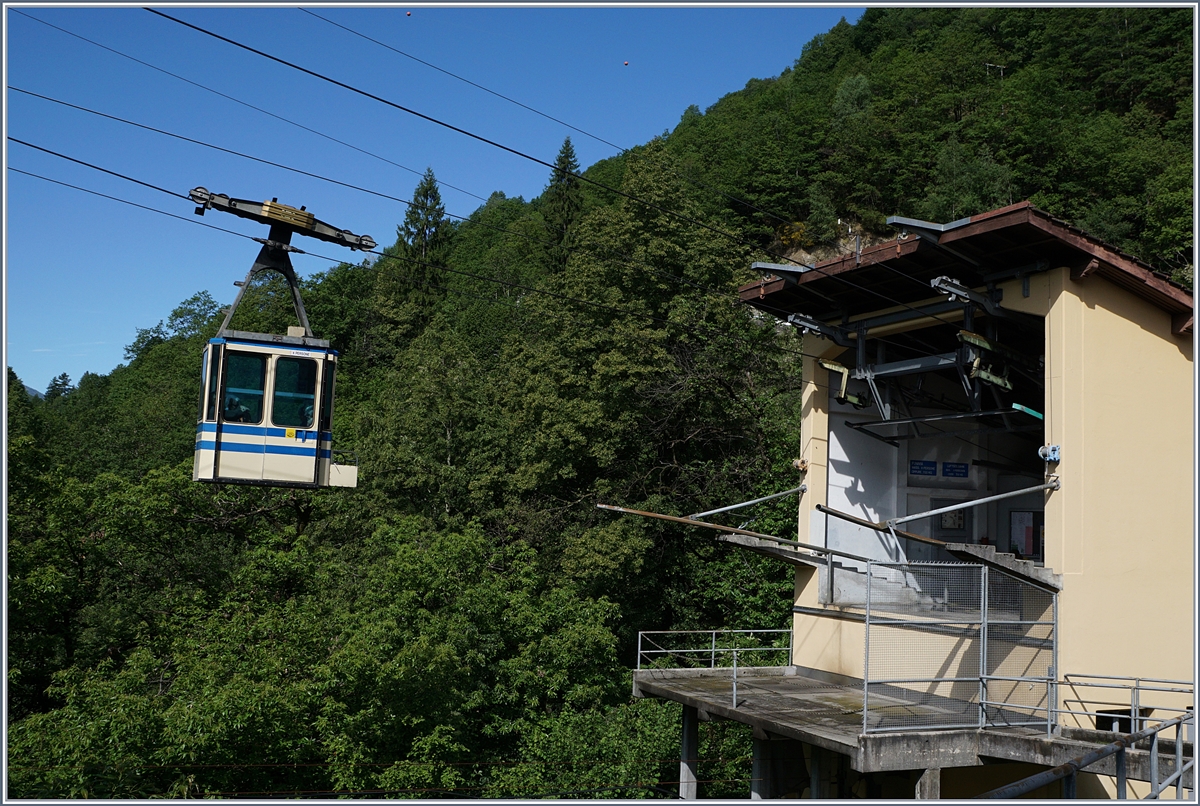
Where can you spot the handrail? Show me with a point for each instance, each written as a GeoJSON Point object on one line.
{"type": "Point", "coordinates": [712, 651]}
{"type": "Point", "coordinates": [1069, 769]}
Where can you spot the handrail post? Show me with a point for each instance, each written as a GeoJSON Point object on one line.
{"type": "Point", "coordinates": [735, 677]}
{"type": "Point", "coordinates": [983, 639]}
{"type": "Point", "coordinates": [1154, 786]}
{"type": "Point", "coordinates": [712, 663]}
{"type": "Point", "coordinates": [1054, 670]}
{"type": "Point", "coordinates": [638, 663]}
{"type": "Point", "coordinates": [1068, 785]}
{"type": "Point", "coordinates": [1179, 761]}
{"type": "Point", "coordinates": [1121, 788]}
{"type": "Point", "coordinates": [867, 647]}
{"type": "Point", "coordinates": [1135, 709]}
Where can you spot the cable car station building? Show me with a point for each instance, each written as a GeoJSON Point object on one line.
{"type": "Point", "coordinates": [994, 557]}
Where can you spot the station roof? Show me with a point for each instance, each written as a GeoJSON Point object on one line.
{"type": "Point", "coordinates": [990, 247]}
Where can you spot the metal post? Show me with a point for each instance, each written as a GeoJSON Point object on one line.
{"type": "Point", "coordinates": [638, 664]}
{"type": "Point", "coordinates": [1188, 732]}
{"type": "Point", "coordinates": [1121, 789]}
{"type": "Point", "coordinates": [1050, 685]}
{"type": "Point", "coordinates": [983, 609]}
{"type": "Point", "coordinates": [1179, 761]}
{"type": "Point", "coordinates": [1154, 765]}
{"type": "Point", "coordinates": [1068, 785]}
{"type": "Point", "coordinates": [712, 662]}
{"type": "Point", "coordinates": [829, 564]}
{"type": "Point", "coordinates": [735, 677]}
{"type": "Point", "coordinates": [1054, 649]}
{"type": "Point", "coordinates": [866, 650]}
{"type": "Point", "coordinates": [1135, 710]}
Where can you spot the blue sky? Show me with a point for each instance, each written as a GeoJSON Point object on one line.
{"type": "Point", "coordinates": [83, 273]}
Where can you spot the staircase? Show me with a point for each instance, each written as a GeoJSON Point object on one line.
{"type": "Point", "coordinates": [1023, 569]}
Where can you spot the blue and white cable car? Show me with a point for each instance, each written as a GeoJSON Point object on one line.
{"type": "Point", "coordinates": [266, 400]}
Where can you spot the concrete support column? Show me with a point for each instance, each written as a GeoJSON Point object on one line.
{"type": "Point", "coordinates": [929, 784]}
{"type": "Point", "coordinates": [816, 771]}
{"type": "Point", "coordinates": [689, 751]}
{"type": "Point", "coordinates": [760, 769]}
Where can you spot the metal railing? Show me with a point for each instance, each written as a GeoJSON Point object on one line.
{"type": "Point", "coordinates": [1144, 695]}
{"type": "Point", "coordinates": [720, 643]}
{"type": "Point", "coordinates": [956, 645]}
{"type": "Point", "coordinates": [1067, 772]}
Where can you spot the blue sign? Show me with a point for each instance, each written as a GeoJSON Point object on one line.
{"type": "Point", "coordinates": [956, 470]}
{"type": "Point", "coordinates": [920, 467]}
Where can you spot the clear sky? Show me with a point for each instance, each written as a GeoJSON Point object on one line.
{"type": "Point", "coordinates": [83, 272]}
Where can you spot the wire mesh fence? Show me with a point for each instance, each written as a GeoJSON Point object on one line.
{"type": "Point", "coordinates": [955, 645]}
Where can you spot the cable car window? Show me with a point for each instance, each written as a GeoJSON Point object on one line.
{"type": "Point", "coordinates": [295, 392]}
{"type": "Point", "coordinates": [327, 396]}
{"type": "Point", "coordinates": [214, 357]}
{"type": "Point", "coordinates": [245, 377]}
{"type": "Point", "coordinates": [203, 381]}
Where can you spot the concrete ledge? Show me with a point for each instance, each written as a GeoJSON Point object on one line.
{"type": "Point", "coordinates": [882, 752]}
{"type": "Point", "coordinates": [1051, 751]}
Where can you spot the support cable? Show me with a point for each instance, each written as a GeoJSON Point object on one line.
{"type": "Point", "coordinates": [621, 312]}
{"type": "Point", "coordinates": [243, 103]}
{"type": "Point", "coordinates": [597, 138]}
{"type": "Point", "coordinates": [625, 259]}
{"type": "Point", "coordinates": [523, 155]}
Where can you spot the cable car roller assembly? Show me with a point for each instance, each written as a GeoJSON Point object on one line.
{"type": "Point", "coordinates": [267, 399]}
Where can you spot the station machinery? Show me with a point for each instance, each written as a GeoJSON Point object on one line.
{"type": "Point", "coordinates": [266, 400]}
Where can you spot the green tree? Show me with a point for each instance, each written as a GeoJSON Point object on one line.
{"type": "Point", "coordinates": [562, 203]}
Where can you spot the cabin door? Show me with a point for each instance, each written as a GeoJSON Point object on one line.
{"type": "Point", "coordinates": [241, 427]}
{"type": "Point", "coordinates": [292, 444]}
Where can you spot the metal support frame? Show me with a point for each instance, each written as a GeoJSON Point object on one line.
{"type": "Point", "coordinates": [803, 488]}
{"type": "Point", "coordinates": [1050, 485]}
{"type": "Point", "coordinates": [933, 418]}
{"type": "Point", "coordinates": [272, 257]}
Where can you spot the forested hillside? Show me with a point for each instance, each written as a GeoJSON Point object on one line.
{"type": "Point", "coordinates": [462, 624]}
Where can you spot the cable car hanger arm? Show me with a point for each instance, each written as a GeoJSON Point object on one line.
{"type": "Point", "coordinates": [275, 215]}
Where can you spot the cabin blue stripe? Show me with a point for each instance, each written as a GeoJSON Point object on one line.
{"type": "Point", "coordinates": [258, 431]}
{"type": "Point", "coordinates": [243, 447]}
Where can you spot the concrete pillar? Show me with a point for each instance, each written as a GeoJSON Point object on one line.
{"type": "Point", "coordinates": [929, 784]}
{"type": "Point", "coordinates": [760, 769]}
{"type": "Point", "coordinates": [816, 771]}
{"type": "Point", "coordinates": [689, 751]}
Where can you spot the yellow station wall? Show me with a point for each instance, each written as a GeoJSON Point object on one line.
{"type": "Point", "coordinates": [1119, 402]}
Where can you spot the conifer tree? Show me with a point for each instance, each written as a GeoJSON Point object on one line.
{"type": "Point", "coordinates": [562, 204]}
{"type": "Point", "coordinates": [410, 275]}
{"type": "Point", "coordinates": [425, 231]}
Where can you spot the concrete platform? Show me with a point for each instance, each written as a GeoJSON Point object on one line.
{"type": "Point", "coordinates": [825, 711]}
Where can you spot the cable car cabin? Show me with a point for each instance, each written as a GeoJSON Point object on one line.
{"type": "Point", "coordinates": [266, 401]}
{"type": "Point", "coordinates": [265, 411]}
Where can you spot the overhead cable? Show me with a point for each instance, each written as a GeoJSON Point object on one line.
{"type": "Point", "coordinates": [597, 138]}
{"type": "Point", "coordinates": [621, 312]}
{"type": "Point", "coordinates": [246, 104]}
{"type": "Point", "coordinates": [621, 149]}
{"type": "Point", "coordinates": [480, 138]}
{"type": "Point", "coordinates": [525, 236]}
